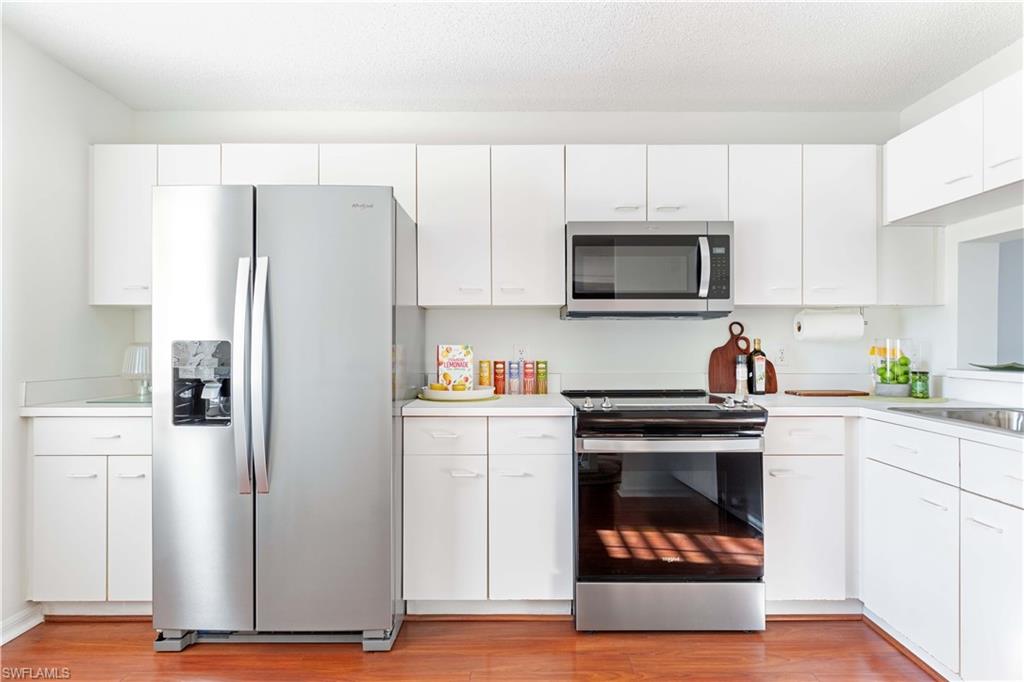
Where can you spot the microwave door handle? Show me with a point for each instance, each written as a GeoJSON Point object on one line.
{"type": "Point", "coordinates": [239, 363]}
{"type": "Point", "coordinates": [705, 267]}
{"type": "Point", "coordinates": [259, 337]}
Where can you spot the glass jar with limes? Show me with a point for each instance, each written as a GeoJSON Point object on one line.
{"type": "Point", "coordinates": [892, 361]}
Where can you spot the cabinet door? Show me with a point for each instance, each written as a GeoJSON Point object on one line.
{"type": "Point", "coordinates": [605, 182]}
{"type": "Point", "coordinates": [129, 529]}
{"type": "Point", "coordinates": [528, 224]}
{"type": "Point", "coordinates": [840, 221]}
{"type": "Point", "coordinates": [454, 236]}
{"type": "Point", "coordinates": [188, 164]}
{"type": "Point", "coordinates": [688, 182]}
{"type": "Point", "coordinates": [123, 176]}
{"type": "Point", "coordinates": [911, 576]}
{"type": "Point", "coordinates": [908, 167]}
{"type": "Point", "coordinates": [765, 205]}
{"type": "Point", "coordinates": [269, 164]}
{"type": "Point", "coordinates": [805, 527]}
{"type": "Point", "coordinates": [1002, 132]}
{"type": "Point", "coordinates": [391, 165]}
{"type": "Point", "coordinates": [957, 135]}
{"type": "Point", "coordinates": [992, 598]}
{"type": "Point", "coordinates": [530, 524]}
{"type": "Point", "coordinates": [445, 527]}
{"type": "Point", "coordinates": [69, 528]}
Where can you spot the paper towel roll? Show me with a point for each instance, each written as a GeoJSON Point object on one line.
{"type": "Point", "coordinates": [828, 325]}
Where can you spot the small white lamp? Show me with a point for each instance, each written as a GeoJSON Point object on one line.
{"type": "Point", "coordinates": [136, 367]}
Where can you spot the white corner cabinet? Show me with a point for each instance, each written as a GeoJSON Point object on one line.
{"type": "Point", "coordinates": [970, 148]}
{"type": "Point", "coordinates": [91, 509]}
{"type": "Point", "coordinates": [487, 508]}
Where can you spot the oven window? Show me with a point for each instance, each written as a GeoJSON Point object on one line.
{"type": "Point", "coordinates": [637, 267]}
{"type": "Point", "coordinates": [659, 516]}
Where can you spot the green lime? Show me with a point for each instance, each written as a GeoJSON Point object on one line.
{"type": "Point", "coordinates": [904, 379]}
{"type": "Point", "coordinates": [881, 370]}
{"type": "Point", "coordinates": [905, 361]}
{"type": "Point", "coordinates": [889, 377]}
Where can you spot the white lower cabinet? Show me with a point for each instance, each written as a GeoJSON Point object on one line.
{"type": "Point", "coordinates": [805, 527]}
{"type": "Point", "coordinates": [129, 529]}
{"type": "Point", "coordinates": [445, 527]}
{"type": "Point", "coordinates": [69, 528]}
{"type": "Point", "coordinates": [530, 527]}
{"type": "Point", "coordinates": [992, 590]}
{"type": "Point", "coordinates": [910, 570]}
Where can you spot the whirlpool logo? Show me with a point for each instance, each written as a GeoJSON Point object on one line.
{"type": "Point", "coordinates": [362, 206]}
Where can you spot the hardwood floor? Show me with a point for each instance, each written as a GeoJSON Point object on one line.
{"type": "Point", "coordinates": [837, 651]}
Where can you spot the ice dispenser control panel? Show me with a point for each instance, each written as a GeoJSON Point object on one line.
{"type": "Point", "coordinates": [201, 382]}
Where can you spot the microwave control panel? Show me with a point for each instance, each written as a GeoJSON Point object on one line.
{"type": "Point", "coordinates": [721, 261]}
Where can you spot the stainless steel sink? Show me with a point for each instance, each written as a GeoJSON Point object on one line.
{"type": "Point", "coordinates": [1004, 419]}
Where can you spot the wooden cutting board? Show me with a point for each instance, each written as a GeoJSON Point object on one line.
{"type": "Point", "coordinates": [838, 393]}
{"type": "Point", "coordinates": [722, 363]}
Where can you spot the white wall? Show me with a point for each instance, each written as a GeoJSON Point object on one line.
{"type": "Point", "coordinates": [1010, 341]}
{"type": "Point", "coordinates": [994, 69]}
{"type": "Point", "coordinates": [50, 116]}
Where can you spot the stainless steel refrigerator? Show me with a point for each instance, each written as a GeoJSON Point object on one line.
{"type": "Point", "coordinates": [285, 339]}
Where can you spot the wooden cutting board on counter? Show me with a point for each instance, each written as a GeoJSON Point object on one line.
{"type": "Point", "coordinates": [722, 363]}
{"type": "Point", "coordinates": [837, 393]}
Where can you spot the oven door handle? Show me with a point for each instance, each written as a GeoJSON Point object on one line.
{"type": "Point", "coordinates": [705, 266]}
{"type": "Point", "coordinates": [677, 445]}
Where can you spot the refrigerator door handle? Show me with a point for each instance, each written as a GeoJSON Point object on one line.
{"type": "Point", "coordinates": [239, 364]}
{"type": "Point", "coordinates": [259, 334]}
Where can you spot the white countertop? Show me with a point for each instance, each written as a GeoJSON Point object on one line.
{"type": "Point", "coordinates": [82, 408]}
{"type": "Point", "coordinates": [551, 405]}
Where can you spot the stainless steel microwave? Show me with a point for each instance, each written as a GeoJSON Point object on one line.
{"type": "Point", "coordinates": [648, 269]}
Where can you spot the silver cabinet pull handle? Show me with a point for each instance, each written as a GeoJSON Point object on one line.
{"type": "Point", "coordinates": [240, 381]}
{"type": "Point", "coordinates": [781, 473]}
{"type": "Point", "coordinates": [443, 434]}
{"type": "Point", "coordinates": [781, 288]}
{"type": "Point", "coordinates": [259, 334]}
{"type": "Point", "coordinates": [985, 525]}
{"type": "Point", "coordinates": [961, 178]}
{"type": "Point", "coordinates": [934, 503]}
{"type": "Point", "coordinates": [471, 290]}
{"type": "Point", "coordinates": [997, 164]}
{"type": "Point", "coordinates": [514, 474]}
{"type": "Point", "coordinates": [906, 448]}
{"type": "Point", "coordinates": [669, 208]}
{"type": "Point", "coordinates": [462, 473]}
{"type": "Point", "coordinates": [136, 287]}
{"type": "Point", "coordinates": [628, 207]}
{"type": "Point", "coordinates": [113, 436]}
{"type": "Point", "coordinates": [93, 475]}
{"type": "Point", "coordinates": [130, 475]}
{"type": "Point", "coordinates": [1014, 478]}
{"type": "Point", "coordinates": [534, 435]}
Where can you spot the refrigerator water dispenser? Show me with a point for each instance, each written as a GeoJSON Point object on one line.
{"type": "Point", "coordinates": [201, 381]}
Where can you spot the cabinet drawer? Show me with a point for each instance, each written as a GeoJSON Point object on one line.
{"type": "Point", "coordinates": [445, 435]}
{"type": "Point", "coordinates": [530, 435]}
{"type": "Point", "coordinates": [804, 436]}
{"type": "Point", "coordinates": [924, 453]}
{"type": "Point", "coordinates": [92, 435]}
{"type": "Point", "coordinates": [993, 472]}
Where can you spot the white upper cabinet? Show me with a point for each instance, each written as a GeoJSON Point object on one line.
{"type": "Point", "coordinates": [188, 164]}
{"type": "Point", "coordinates": [936, 162]}
{"type": "Point", "coordinates": [688, 182]}
{"type": "Point", "coordinates": [269, 164]}
{"type": "Point", "coordinates": [454, 235]}
{"type": "Point", "coordinates": [392, 165]}
{"type": "Point", "coordinates": [1003, 121]}
{"type": "Point", "coordinates": [528, 224]}
{"type": "Point", "coordinates": [123, 176]}
{"type": "Point", "coordinates": [840, 224]}
{"type": "Point", "coordinates": [765, 183]}
{"type": "Point", "coordinates": [605, 182]}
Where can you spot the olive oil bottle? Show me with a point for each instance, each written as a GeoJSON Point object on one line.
{"type": "Point", "coordinates": [757, 373]}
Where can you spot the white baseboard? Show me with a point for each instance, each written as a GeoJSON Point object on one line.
{"type": "Point", "coordinates": [823, 607]}
{"type": "Point", "coordinates": [20, 623]}
{"type": "Point", "coordinates": [928, 659]}
{"type": "Point", "coordinates": [489, 607]}
{"type": "Point", "coordinates": [97, 608]}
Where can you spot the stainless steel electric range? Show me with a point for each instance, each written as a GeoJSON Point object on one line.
{"type": "Point", "coordinates": [669, 511]}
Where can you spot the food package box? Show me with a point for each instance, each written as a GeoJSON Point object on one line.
{"type": "Point", "coordinates": [455, 365]}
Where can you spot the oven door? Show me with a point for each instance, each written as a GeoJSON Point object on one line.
{"type": "Point", "coordinates": [679, 510]}
{"type": "Point", "coordinates": [638, 267]}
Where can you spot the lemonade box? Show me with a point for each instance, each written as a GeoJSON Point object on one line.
{"type": "Point", "coordinates": [455, 366]}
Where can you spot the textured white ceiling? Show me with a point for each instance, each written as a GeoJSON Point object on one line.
{"type": "Point", "coordinates": [519, 56]}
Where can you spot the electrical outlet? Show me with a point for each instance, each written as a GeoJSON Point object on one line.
{"type": "Point", "coordinates": [780, 355]}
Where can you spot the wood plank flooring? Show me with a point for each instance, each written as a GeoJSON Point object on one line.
{"type": "Point", "coordinates": [839, 651]}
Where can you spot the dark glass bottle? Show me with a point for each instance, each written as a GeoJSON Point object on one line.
{"type": "Point", "coordinates": [757, 370]}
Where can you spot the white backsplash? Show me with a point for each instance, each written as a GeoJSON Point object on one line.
{"type": "Point", "coordinates": [662, 353]}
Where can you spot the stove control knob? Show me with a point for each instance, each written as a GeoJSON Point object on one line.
{"type": "Point", "coordinates": [730, 401]}
{"type": "Point", "coordinates": [606, 404]}
{"type": "Point", "coordinates": [588, 404]}
{"type": "Point", "coordinates": [748, 402]}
